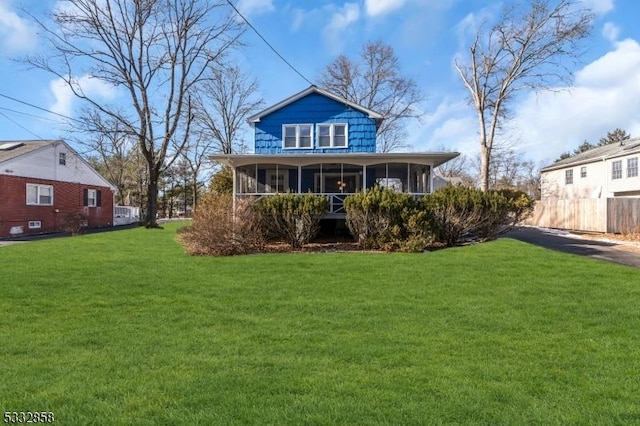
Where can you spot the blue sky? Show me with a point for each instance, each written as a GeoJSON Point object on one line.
{"type": "Point", "coordinates": [426, 35]}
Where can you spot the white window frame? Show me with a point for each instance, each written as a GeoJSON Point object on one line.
{"type": "Point", "coordinates": [276, 173]}
{"type": "Point", "coordinates": [35, 224]}
{"type": "Point", "coordinates": [568, 177]}
{"type": "Point", "coordinates": [632, 167]}
{"type": "Point", "coordinates": [62, 158]}
{"type": "Point", "coordinates": [583, 171]}
{"type": "Point", "coordinates": [332, 135]}
{"type": "Point", "coordinates": [298, 137]}
{"type": "Point", "coordinates": [38, 189]}
{"type": "Point", "coordinates": [92, 201]}
{"type": "Point", "coordinates": [616, 170]}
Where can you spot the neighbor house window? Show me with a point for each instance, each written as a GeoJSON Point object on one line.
{"type": "Point", "coordinates": [297, 136]}
{"type": "Point", "coordinates": [62, 159]}
{"type": "Point", "coordinates": [583, 171]}
{"type": "Point", "coordinates": [91, 198]}
{"type": "Point", "coordinates": [632, 167]}
{"type": "Point", "coordinates": [616, 169]}
{"type": "Point", "coordinates": [39, 195]}
{"type": "Point", "coordinates": [568, 177]}
{"type": "Point", "coordinates": [332, 135]}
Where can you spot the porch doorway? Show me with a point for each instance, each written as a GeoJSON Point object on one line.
{"type": "Point", "coordinates": [338, 183]}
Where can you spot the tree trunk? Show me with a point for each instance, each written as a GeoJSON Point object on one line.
{"type": "Point", "coordinates": [152, 200]}
{"type": "Point", "coordinates": [485, 159]}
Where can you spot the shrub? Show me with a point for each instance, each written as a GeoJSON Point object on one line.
{"type": "Point", "coordinates": [74, 222]}
{"type": "Point", "coordinates": [295, 218]}
{"type": "Point", "coordinates": [376, 218]}
{"type": "Point", "coordinates": [215, 230]}
{"type": "Point", "coordinates": [460, 214]}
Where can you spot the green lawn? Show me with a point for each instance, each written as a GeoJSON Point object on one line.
{"type": "Point", "coordinates": [123, 328]}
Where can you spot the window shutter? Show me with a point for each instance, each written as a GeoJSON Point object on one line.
{"type": "Point", "coordinates": [85, 194]}
{"type": "Point", "coordinates": [98, 198]}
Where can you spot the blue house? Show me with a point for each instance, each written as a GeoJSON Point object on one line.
{"type": "Point", "coordinates": [315, 141]}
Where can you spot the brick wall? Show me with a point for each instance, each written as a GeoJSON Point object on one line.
{"type": "Point", "coordinates": [67, 199]}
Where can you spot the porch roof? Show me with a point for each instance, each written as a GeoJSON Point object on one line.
{"type": "Point", "coordinates": [356, 158]}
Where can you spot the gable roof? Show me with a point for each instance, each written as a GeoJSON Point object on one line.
{"type": "Point", "coordinates": [13, 149]}
{"type": "Point", "coordinates": [599, 153]}
{"type": "Point", "coordinates": [309, 90]}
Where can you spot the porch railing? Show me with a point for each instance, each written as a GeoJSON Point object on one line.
{"type": "Point", "coordinates": [336, 200]}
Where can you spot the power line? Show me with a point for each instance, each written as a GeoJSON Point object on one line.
{"type": "Point", "coordinates": [40, 108]}
{"type": "Point", "coordinates": [29, 115]}
{"type": "Point", "coordinates": [19, 125]}
{"type": "Point", "coordinates": [269, 44]}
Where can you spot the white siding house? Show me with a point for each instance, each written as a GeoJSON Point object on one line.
{"type": "Point", "coordinates": [609, 171]}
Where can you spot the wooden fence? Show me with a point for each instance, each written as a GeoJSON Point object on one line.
{"type": "Point", "coordinates": [613, 215]}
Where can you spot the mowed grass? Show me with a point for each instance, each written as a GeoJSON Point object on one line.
{"type": "Point", "coordinates": [124, 328]}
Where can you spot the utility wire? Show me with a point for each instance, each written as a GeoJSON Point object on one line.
{"type": "Point", "coordinates": [19, 125]}
{"type": "Point", "coordinates": [29, 115]}
{"type": "Point", "coordinates": [40, 108]}
{"type": "Point", "coordinates": [269, 44]}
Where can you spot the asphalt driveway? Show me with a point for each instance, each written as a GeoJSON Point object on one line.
{"type": "Point", "coordinates": [570, 243]}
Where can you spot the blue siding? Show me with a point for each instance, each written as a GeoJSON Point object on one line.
{"type": "Point", "coordinates": [314, 109]}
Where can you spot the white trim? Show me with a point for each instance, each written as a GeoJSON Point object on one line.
{"type": "Point", "coordinates": [92, 201]}
{"type": "Point", "coordinates": [35, 224]}
{"type": "Point", "coordinates": [332, 132]}
{"type": "Point", "coordinates": [270, 173]}
{"type": "Point", "coordinates": [298, 136]}
{"type": "Point", "coordinates": [309, 90]}
{"type": "Point", "coordinates": [38, 188]}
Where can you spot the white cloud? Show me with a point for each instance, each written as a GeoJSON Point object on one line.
{"type": "Point", "coordinates": [16, 34]}
{"type": "Point", "coordinates": [606, 95]}
{"type": "Point", "coordinates": [339, 22]}
{"type": "Point", "coordinates": [381, 7]}
{"type": "Point", "coordinates": [255, 7]}
{"type": "Point", "coordinates": [64, 97]}
{"type": "Point", "coordinates": [599, 7]}
{"type": "Point", "coordinates": [610, 31]}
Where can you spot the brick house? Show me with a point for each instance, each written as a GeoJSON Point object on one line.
{"type": "Point", "coordinates": [43, 183]}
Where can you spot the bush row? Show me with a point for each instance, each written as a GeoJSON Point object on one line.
{"type": "Point", "coordinates": [380, 218]}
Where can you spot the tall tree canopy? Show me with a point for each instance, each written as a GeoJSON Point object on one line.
{"type": "Point", "coordinates": [530, 47]}
{"type": "Point", "coordinates": [154, 53]}
{"type": "Point", "coordinates": [374, 80]}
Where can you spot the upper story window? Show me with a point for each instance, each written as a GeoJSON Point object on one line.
{"type": "Point", "coordinates": [568, 177]}
{"type": "Point", "coordinates": [616, 169]}
{"type": "Point", "coordinates": [583, 171]}
{"type": "Point", "coordinates": [632, 167]}
{"type": "Point", "coordinates": [39, 195]}
{"type": "Point", "coordinates": [297, 136]}
{"type": "Point", "coordinates": [332, 135]}
{"type": "Point", "coordinates": [62, 158]}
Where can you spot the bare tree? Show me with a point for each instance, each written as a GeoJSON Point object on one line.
{"type": "Point", "coordinates": [458, 168]}
{"type": "Point", "coordinates": [109, 149]}
{"type": "Point", "coordinates": [526, 49]}
{"type": "Point", "coordinates": [154, 52]}
{"type": "Point", "coordinates": [374, 81]}
{"type": "Point", "coordinates": [226, 99]}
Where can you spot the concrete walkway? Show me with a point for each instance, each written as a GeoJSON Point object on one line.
{"type": "Point", "coordinates": [570, 243]}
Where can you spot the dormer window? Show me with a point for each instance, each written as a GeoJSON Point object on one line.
{"type": "Point", "coordinates": [297, 136]}
{"type": "Point", "coordinates": [332, 135]}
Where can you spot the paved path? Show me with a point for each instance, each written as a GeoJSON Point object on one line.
{"type": "Point", "coordinates": [569, 243]}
